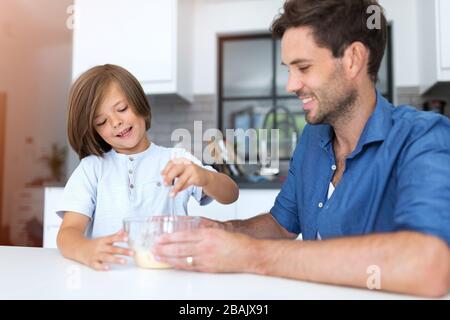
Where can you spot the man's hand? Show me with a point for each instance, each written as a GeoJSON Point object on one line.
{"type": "Point", "coordinates": [100, 252]}
{"type": "Point", "coordinates": [207, 250]}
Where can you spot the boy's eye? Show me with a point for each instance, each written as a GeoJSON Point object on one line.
{"type": "Point", "coordinates": [100, 123]}
{"type": "Point", "coordinates": [123, 109]}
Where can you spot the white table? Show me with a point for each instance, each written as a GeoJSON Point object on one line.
{"type": "Point", "coordinates": [36, 273]}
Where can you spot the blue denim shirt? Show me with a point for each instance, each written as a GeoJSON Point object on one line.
{"type": "Point", "coordinates": [397, 178]}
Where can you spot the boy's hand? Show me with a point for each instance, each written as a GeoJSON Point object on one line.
{"type": "Point", "coordinates": [100, 252]}
{"type": "Point", "coordinates": [187, 174]}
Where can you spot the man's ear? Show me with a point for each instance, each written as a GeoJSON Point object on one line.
{"type": "Point", "coordinates": [355, 59]}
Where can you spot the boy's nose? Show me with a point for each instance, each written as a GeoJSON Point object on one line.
{"type": "Point", "coordinates": [116, 123]}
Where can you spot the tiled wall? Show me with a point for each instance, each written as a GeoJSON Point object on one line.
{"type": "Point", "coordinates": [168, 116]}
{"type": "Point", "coordinates": [411, 96]}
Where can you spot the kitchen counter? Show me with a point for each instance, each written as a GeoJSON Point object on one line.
{"type": "Point", "coordinates": [36, 273]}
{"type": "Point", "coordinates": [275, 185]}
{"type": "Point", "coordinates": [245, 183]}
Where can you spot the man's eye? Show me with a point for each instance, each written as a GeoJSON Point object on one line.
{"type": "Point", "coordinates": [123, 109]}
{"type": "Point", "coordinates": [101, 123]}
{"type": "Point", "coordinates": [303, 69]}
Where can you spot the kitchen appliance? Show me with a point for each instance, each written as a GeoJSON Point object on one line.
{"type": "Point", "coordinates": [283, 119]}
{"type": "Point", "coordinates": [435, 105]}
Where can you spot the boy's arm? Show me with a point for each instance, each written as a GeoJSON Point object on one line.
{"type": "Point", "coordinates": [220, 187]}
{"type": "Point", "coordinates": [216, 185]}
{"type": "Point", "coordinates": [96, 253]}
{"type": "Point", "coordinates": [70, 239]}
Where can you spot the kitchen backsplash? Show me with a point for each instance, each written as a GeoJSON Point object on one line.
{"type": "Point", "coordinates": [411, 96]}
{"type": "Point", "coordinates": [166, 117]}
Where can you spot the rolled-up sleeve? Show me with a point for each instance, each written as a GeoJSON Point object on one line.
{"type": "Point", "coordinates": [423, 192]}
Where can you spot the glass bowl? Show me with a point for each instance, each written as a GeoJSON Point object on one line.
{"type": "Point", "coordinates": [144, 231]}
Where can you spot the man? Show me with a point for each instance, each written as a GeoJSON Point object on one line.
{"type": "Point", "coordinates": [369, 180]}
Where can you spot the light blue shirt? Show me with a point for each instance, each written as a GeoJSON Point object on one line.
{"type": "Point", "coordinates": [397, 178]}
{"type": "Point", "coordinates": [110, 188]}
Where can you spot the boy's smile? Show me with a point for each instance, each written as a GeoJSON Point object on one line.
{"type": "Point", "coordinates": [125, 133]}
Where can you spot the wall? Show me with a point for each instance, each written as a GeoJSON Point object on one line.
{"type": "Point", "coordinates": [166, 117]}
{"type": "Point", "coordinates": [226, 16]}
{"type": "Point", "coordinates": [405, 17]}
{"type": "Point", "coordinates": [221, 16]}
{"type": "Point", "coordinates": [35, 67]}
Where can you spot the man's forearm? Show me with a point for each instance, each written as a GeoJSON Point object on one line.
{"type": "Point", "coordinates": [405, 262]}
{"type": "Point", "coordinates": [263, 226]}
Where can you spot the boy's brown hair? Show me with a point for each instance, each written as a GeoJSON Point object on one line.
{"type": "Point", "coordinates": [87, 93]}
{"type": "Point", "coordinates": [336, 24]}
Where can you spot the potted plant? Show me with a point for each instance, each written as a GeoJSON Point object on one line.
{"type": "Point", "coordinates": [55, 162]}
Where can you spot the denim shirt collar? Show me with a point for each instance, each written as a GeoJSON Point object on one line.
{"type": "Point", "coordinates": [376, 128]}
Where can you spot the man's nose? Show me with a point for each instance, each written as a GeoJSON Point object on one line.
{"type": "Point", "coordinates": [294, 84]}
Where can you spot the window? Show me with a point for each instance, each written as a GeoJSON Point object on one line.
{"type": "Point", "coordinates": [385, 80]}
{"type": "Point", "coordinates": [251, 90]}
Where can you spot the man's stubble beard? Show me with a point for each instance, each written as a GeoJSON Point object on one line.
{"type": "Point", "coordinates": [337, 102]}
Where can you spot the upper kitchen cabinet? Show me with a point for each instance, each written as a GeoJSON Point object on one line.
{"type": "Point", "coordinates": [150, 38]}
{"type": "Point", "coordinates": [434, 42]}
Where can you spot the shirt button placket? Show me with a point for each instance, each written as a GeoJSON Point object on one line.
{"type": "Point", "coordinates": [131, 185]}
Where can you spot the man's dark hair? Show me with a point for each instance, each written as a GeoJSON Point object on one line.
{"type": "Point", "coordinates": [336, 24]}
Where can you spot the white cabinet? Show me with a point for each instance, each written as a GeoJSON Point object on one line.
{"type": "Point", "coordinates": [253, 202]}
{"type": "Point", "coordinates": [26, 220]}
{"type": "Point", "coordinates": [214, 210]}
{"type": "Point", "coordinates": [150, 38]}
{"type": "Point", "coordinates": [51, 220]}
{"type": "Point", "coordinates": [434, 42]}
{"type": "Point", "coordinates": [444, 37]}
